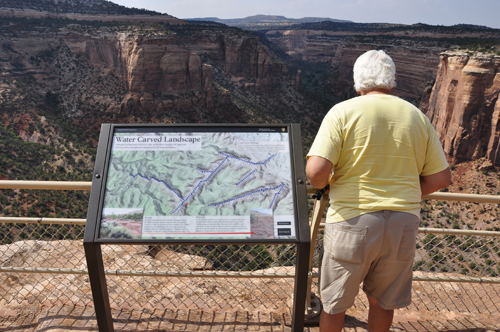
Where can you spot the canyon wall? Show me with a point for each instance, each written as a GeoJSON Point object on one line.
{"type": "Point", "coordinates": [133, 73]}
{"type": "Point", "coordinates": [89, 74]}
{"type": "Point", "coordinates": [416, 63]}
{"type": "Point", "coordinates": [414, 67]}
{"type": "Point", "coordinates": [464, 108]}
{"type": "Point", "coordinates": [171, 65]}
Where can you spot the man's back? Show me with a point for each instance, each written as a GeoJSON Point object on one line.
{"type": "Point", "coordinates": [379, 146]}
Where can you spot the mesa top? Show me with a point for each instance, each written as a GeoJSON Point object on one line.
{"type": "Point", "coordinates": [379, 145]}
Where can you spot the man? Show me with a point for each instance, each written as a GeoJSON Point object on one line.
{"type": "Point", "coordinates": [379, 154]}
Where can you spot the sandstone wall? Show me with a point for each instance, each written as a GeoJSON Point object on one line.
{"type": "Point", "coordinates": [464, 106]}
{"type": "Point", "coordinates": [414, 67]}
{"type": "Point", "coordinates": [242, 55]}
{"type": "Point", "coordinates": [416, 64]}
{"type": "Point", "coordinates": [152, 67]}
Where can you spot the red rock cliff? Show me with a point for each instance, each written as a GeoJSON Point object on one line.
{"type": "Point", "coordinates": [464, 106]}
{"type": "Point", "coordinates": [155, 65]}
{"type": "Point", "coordinates": [415, 63]}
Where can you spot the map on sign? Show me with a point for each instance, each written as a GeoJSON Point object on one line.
{"type": "Point", "coordinates": [199, 184]}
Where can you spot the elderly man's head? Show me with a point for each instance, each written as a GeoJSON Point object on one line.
{"type": "Point", "coordinates": [374, 70]}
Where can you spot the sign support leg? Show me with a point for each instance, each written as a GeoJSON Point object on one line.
{"type": "Point", "coordinates": [99, 288]}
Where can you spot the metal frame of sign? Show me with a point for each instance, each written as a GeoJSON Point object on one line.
{"type": "Point", "coordinates": [92, 241]}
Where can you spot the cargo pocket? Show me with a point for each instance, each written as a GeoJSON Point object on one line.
{"type": "Point", "coordinates": [346, 243]}
{"type": "Point", "coordinates": [406, 251]}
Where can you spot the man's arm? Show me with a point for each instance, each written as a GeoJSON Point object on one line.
{"type": "Point", "coordinates": [431, 183]}
{"type": "Point", "coordinates": [318, 170]}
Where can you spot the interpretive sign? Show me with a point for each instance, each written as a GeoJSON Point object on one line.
{"type": "Point", "coordinates": [197, 182]}
{"type": "Point", "coordinates": [194, 185]}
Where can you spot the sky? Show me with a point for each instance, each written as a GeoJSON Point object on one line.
{"type": "Point", "coordinates": [435, 12]}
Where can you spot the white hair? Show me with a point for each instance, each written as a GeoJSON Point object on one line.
{"type": "Point", "coordinates": [374, 70]}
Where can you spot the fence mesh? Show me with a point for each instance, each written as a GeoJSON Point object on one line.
{"type": "Point", "coordinates": [31, 246]}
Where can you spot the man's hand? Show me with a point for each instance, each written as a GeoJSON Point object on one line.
{"type": "Point", "coordinates": [318, 170]}
{"type": "Point", "coordinates": [431, 183]}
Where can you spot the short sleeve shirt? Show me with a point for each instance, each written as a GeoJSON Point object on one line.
{"type": "Point", "coordinates": [379, 145]}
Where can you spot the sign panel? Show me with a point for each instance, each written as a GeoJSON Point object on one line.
{"type": "Point", "coordinates": [175, 182]}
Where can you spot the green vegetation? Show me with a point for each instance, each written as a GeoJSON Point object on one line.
{"type": "Point", "coordinates": [88, 7]}
{"type": "Point", "coordinates": [235, 257]}
{"type": "Point", "coordinates": [113, 230]}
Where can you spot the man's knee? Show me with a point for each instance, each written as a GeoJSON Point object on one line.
{"type": "Point", "coordinates": [373, 302]}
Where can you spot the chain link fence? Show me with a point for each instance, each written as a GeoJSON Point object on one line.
{"type": "Point", "coordinates": [468, 264]}
{"type": "Point", "coordinates": [452, 271]}
{"type": "Point", "coordinates": [44, 264]}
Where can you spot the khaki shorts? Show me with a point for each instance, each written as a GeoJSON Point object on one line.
{"type": "Point", "coordinates": [375, 248]}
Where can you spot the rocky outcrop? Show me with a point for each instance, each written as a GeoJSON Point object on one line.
{"type": "Point", "coordinates": [162, 74]}
{"type": "Point", "coordinates": [155, 64]}
{"type": "Point", "coordinates": [464, 107]}
{"type": "Point", "coordinates": [160, 65]}
{"type": "Point", "coordinates": [128, 73]}
{"type": "Point", "coordinates": [243, 57]}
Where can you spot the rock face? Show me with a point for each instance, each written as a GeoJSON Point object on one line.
{"type": "Point", "coordinates": [242, 55]}
{"type": "Point", "coordinates": [414, 67]}
{"type": "Point", "coordinates": [163, 66]}
{"type": "Point", "coordinates": [464, 108]}
{"type": "Point", "coordinates": [416, 64]}
{"type": "Point", "coordinates": [134, 73]}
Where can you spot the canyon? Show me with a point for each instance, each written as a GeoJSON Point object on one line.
{"type": "Point", "coordinates": [64, 74]}
{"type": "Point", "coordinates": [61, 77]}
{"type": "Point", "coordinates": [416, 62]}
{"type": "Point", "coordinates": [458, 90]}
{"type": "Point", "coordinates": [177, 74]}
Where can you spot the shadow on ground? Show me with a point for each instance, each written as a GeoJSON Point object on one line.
{"type": "Point", "coordinates": [66, 318]}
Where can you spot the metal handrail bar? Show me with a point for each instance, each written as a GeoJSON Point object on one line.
{"type": "Point", "coordinates": [221, 274]}
{"type": "Point", "coordinates": [42, 220]}
{"type": "Point", "coordinates": [139, 273]}
{"type": "Point", "coordinates": [476, 198]}
{"type": "Point", "coordinates": [457, 232]}
{"type": "Point", "coordinates": [58, 185]}
{"type": "Point", "coordinates": [458, 279]}
{"type": "Point", "coordinates": [82, 185]}
{"type": "Point", "coordinates": [448, 231]}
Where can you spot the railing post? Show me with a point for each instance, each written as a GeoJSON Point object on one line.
{"type": "Point", "coordinates": [318, 209]}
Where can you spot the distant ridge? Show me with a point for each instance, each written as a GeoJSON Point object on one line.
{"type": "Point", "coordinates": [82, 10]}
{"type": "Point", "coordinates": [259, 22]}
{"type": "Point", "coordinates": [385, 27]}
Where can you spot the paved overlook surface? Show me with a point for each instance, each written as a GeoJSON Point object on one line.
{"type": "Point", "coordinates": [55, 302]}
{"type": "Point", "coordinates": [68, 318]}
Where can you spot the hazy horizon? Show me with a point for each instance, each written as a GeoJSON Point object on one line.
{"type": "Point", "coordinates": [434, 12]}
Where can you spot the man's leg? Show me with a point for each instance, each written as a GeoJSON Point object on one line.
{"type": "Point", "coordinates": [331, 323]}
{"type": "Point", "coordinates": [379, 319]}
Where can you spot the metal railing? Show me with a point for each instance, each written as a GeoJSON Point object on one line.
{"type": "Point", "coordinates": [44, 262]}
